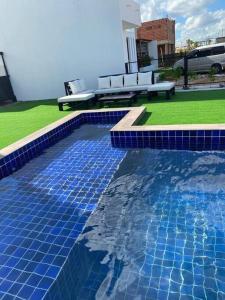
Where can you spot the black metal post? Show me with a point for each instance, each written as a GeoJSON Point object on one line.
{"type": "Point", "coordinates": [185, 87]}
{"type": "Point", "coordinates": [8, 77]}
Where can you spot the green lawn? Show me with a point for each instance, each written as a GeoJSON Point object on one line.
{"type": "Point", "coordinates": [205, 107]}
{"type": "Point", "coordinates": [21, 119]}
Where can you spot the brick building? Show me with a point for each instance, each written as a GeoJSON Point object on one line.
{"type": "Point", "coordinates": [163, 31]}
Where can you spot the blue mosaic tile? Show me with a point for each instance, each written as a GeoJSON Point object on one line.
{"type": "Point", "coordinates": [176, 140]}
{"type": "Point", "coordinates": [45, 205]}
{"type": "Point", "coordinates": [153, 237]}
{"type": "Point", "coordinates": [19, 158]}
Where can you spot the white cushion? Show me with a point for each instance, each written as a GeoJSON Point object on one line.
{"type": "Point", "coordinates": [75, 86]}
{"type": "Point", "coordinates": [78, 97]}
{"type": "Point", "coordinates": [117, 81]}
{"type": "Point", "coordinates": [135, 88]}
{"type": "Point", "coordinates": [104, 83]}
{"type": "Point", "coordinates": [82, 85]}
{"type": "Point", "coordinates": [130, 79]}
{"type": "Point", "coordinates": [164, 86]}
{"type": "Point", "coordinates": [145, 78]}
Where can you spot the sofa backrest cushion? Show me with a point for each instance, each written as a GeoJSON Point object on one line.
{"type": "Point", "coordinates": [117, 81]}
{"type": "Point", "coordinates": [130, 79]}
{"type": "Point", "coordinates": [104, 82]}
{"type": "Point", "coordinates": [145, 78]}
{"type": "Point", "coordinates": [82, 85]}
{"type": "Point", "coordinates": [75, 87]}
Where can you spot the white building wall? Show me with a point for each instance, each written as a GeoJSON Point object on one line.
{"type": "Point", "coordinates": [130, 13]}
{"type": "Point", "coordinates": [153, 53]}
{"type": "Point", "coordinates": [47, 42]}
{"type": "Point", "coordinates": [130, 37]}
{"type": "Point", "coordinates": [2, 69]}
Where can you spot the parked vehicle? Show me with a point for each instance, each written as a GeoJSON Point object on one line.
{"type": "Point", "coordinates": [203, 59]}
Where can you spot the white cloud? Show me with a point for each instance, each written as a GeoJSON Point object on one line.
{"type": "Point", "coordinates": [152, 9]}
{"type": "Point", "coordinates": [196, 21]}
{"type": "Point", "coordinates": [184, 9]}
{"type": "Point", "coordinates": [203, 26]}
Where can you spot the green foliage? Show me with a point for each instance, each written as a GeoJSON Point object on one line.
{"type": "Point", "coordinates": [178, 73]}
{"type": "Point", "coordinates": [192, 75]}
{"type": "Point", "coordinates": [211, 74]}
{"type": "Point", "coordinates": [144, 61]}
{"type": "Point", "coordinates": [162, 76]}
{"type": "Point", "coordinates": [170, 74]}
{"type": "Point", "coordinates": [191, 44]}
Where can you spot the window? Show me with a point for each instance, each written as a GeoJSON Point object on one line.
{"type": "Point", "coordinates": [204, 52]}
{"type": "Point", "coordinates": [218, 50]}
{"type": "Point", "coordinates": [193, 54]}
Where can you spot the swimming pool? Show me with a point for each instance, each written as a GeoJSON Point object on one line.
{"type": "Point", "coordinates": [45, 205]}
{"type": "Point", "coordinates": [158, 232]}
{"type": "Point", "coordinates": [85, 220]}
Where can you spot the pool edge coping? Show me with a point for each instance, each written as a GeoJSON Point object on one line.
{"type": "Point", "coordinates": [127, 123]}
{"type": "Point", "coordinates": [40, 132]}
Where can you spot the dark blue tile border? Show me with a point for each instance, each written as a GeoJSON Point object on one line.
{"type": "Point", "coordinates": [195, 140]}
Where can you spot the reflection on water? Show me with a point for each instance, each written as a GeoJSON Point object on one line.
{"type": "Point", "coordinates": [158, 232]}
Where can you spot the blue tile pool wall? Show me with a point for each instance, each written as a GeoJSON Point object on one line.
{"type": "Point", "coordinates": [153, 237]}
{"type": "Point", "coordinates": [45, 205]}
{"type": "Point", "coordinates": [110, 117]}
{"type": "Point", "coordinates": [195, 140]}
{"type": "Point", "coordinates": [19, 158]}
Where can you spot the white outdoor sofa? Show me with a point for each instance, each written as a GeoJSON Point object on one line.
{"type": "Point", "coordinates": [76, 92]}
{"type": "Point", "coordinates": [135, 82]}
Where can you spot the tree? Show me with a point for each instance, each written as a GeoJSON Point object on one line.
{"type": "Point", "coordinates": [191, 44]}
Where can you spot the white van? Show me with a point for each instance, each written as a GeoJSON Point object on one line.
{"type": "Point", "coordinates": [202, 59]}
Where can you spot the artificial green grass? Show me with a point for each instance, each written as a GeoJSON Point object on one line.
{"type": "Point", "coordinates": [202, 107]}
{"type": "Point", "coordinates": [20, 119]}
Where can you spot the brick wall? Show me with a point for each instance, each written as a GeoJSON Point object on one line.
{"type": "Point", "coordinates": [159, 30]}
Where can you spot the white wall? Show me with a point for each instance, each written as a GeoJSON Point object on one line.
{"type": "Point", "coordinates": [47, 42]}
{"type": "Point", "coordinates": [153, 53]}
{"type": "Point", "coordinates": [2, 69]}
{"type": "Point", "coordinates": [130, 13]}
{"type": "Point", "coordinates": [130, 35]}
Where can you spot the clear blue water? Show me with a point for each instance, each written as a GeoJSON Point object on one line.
{"type": "Point", "coordinates": [45, 205]}
{"type": "Point", "coordinates": [157, 233]}
{"type": "Point", "coordinates": [74, 226]}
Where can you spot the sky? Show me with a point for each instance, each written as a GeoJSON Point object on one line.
{"type": "Point", "coordinates": [195, 19]}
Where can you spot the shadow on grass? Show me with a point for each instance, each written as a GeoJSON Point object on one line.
{"type": "Point", "coordinates": [184, 97]}
{"type": "Point", "coordinates": [142, 100]}
{"type": "Point", "coordinates": [26, 105]}
{"type": "Point", "coordinates": [144, 119]}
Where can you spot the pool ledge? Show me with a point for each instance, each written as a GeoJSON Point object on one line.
{"type": "Point", "coordinates": [196, 137]}
{"type": "Point", "coordinates": [41, 132]}
{"type": "Point", "coordinates": [125, 134]}
{"type": "Point", "coordinates": [18, 154]}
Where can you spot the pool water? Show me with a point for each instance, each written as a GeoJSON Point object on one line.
{"type": "Point", "coordinates": [45, 205]}
{"type": "Point", "coordinates": [157, 233]}
{"type": "Point", "coordinates": [86, 221]}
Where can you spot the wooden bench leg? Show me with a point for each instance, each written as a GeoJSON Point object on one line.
{"type": "Point", "coordinates": [168, 95]}
{"type": "Point", "coordinates": [149, 96]}
{"type": "Point", "coordinates": [95, 99]}
{"type": "Point", "coordinates": [60, 106]}
{"type": "Point", "coordinates": [173, 91]}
